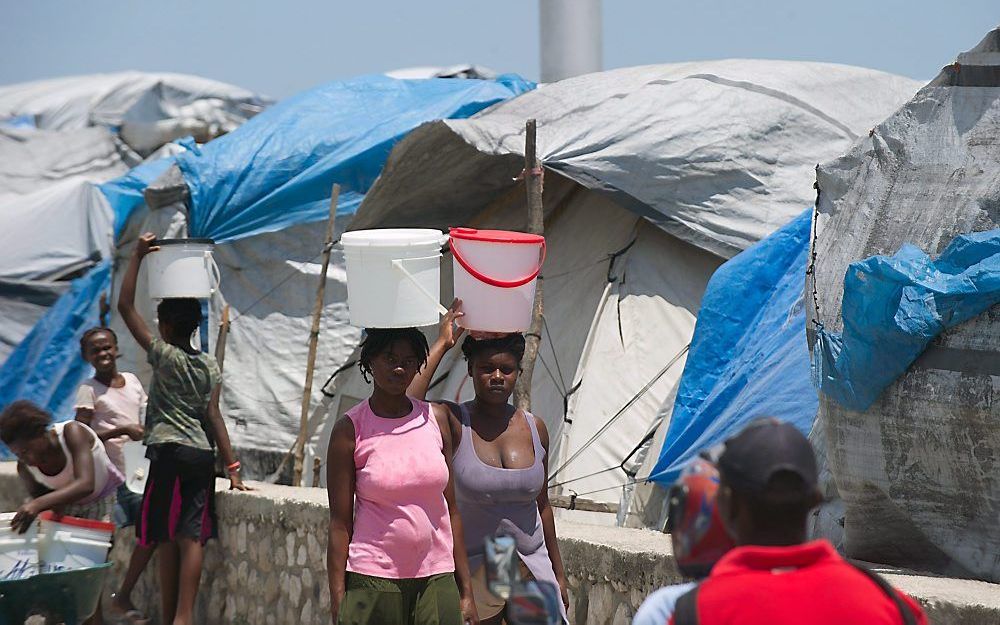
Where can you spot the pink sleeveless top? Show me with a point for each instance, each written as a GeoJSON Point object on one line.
{"type": "Point", "coordinates": [401, 525]}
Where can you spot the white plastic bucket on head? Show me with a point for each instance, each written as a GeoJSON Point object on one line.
{"type": "Point", "coordinates": [495, 276]}
{"type": "Point", "coordinates": [18, 552]}
{"type": "Point", "coordinates": [182, 268]}
{"type": "Point", "coordinates": [136, 466]}
{"type": "Point", "coordinates": [393, 277]}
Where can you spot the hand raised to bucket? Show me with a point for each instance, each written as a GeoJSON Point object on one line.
{"type": "Point", "coordinates": [144, 245]}
{"type": "Point", "coordinates": [449, 331]}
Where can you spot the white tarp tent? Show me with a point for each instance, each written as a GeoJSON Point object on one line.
{"type": "Point", "coordinates": [140, 104]}
{"type": "Point", "coordinates": [59, 136]}
{"type": "Point", "coordinates": [655, 175]}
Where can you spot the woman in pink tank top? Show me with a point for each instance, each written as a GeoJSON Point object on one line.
{"type": "Point", "coordinates": [393, 555]}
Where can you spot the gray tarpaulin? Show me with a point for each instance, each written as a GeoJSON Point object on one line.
{"type": "Point", "coordinates": [919, 471]}
{"type": "Point", "coordinates": [714, 155]}
{"type": "Point", "coordinates": [718, 153]}
{"type": "Point", "coordinates": [56, 138]}
{"type": "Point", "coordinates": [122, 98]}
{"type": "Point", "coordinates": [32, 159]}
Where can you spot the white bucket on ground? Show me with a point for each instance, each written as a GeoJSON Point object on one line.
{"type": "Point", "coordinates": [393, 277]}
{"type": "Point", "coordinates": [495, 276]}
{"type": "Point", "coordinates": [18, 552]}
{"type": "Point", "coordinates": [136, 466]}
{"type": "Point", "coordinates": [182, 268]}
{"type": "Point", "coordinates": [71, 543]}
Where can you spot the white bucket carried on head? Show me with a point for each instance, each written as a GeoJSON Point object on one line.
{"type": "Point", "coordinates": [182, 268]}
{"type": "Point", "coordinates": [70, 543]}
{"type": "Point", "coordinates": [394, 277]}
{"type": "Point", "coordinates": [495, 276]}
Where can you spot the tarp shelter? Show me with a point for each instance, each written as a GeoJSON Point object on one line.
{"type": "Point", "coordinates": [906, 246]}
{"type": "Point", "coordinates": [654, 177]}
{"type": "Point", "coordinates": [749, 357]}
{"type": "Point", "coordinates": [56, 138]}
{"type": "Point", "coordinates": [263, 193]}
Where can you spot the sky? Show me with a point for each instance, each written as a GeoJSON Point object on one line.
{"type": "Point", "coordinates": [280, 47]}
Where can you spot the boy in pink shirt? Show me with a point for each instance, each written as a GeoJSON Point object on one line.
{"type": "Point", "coordinates": [112, 403]}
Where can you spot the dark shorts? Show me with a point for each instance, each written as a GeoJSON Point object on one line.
{"type": "Point", "coordinates": [371, 600]}
{"type": "Point", "coordinates": [179, 501]}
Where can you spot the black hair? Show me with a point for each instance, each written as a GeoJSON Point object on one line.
{"type": "Point", "coordinates": [183, 314]}
{"type": "Point", "coordinates": [96, 330]}
{"type": "Point", "coordinates": [23, 420]}
{"type": "Point", "coordinates": [783, 505]}
{"type": "Point", "coordinates": [377, 340]}
{"type": "Point", "coordinates": [512, 344]}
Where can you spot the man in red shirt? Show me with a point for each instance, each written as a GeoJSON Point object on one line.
{"type": "Point", "coordinates": [768, 485]}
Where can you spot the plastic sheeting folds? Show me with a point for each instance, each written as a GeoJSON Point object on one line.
{"type": "Point", "coordinates": [46, 366]}
{"type": "Point", "coordinates": [749, 356]}
{"type": "Point", "coordinates": [895, 305]}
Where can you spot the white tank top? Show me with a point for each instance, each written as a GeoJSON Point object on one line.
{"type": "Point", "coordinates": [107, 477]}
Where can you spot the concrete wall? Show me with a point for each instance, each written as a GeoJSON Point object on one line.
{"type": "Point", "coordinates": [268, 567]}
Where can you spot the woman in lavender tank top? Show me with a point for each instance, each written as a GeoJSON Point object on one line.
{"type": "Point", "coordinates": [500, 464]}
{"type": "Point", "coordinates": [393, 556]}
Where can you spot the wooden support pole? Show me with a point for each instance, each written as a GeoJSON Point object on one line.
{"type": "Point", "coordinates": [300, 442]}
{"type": "Point", "coordinates": [570, 503]}
{"type": "Point", "coordinates": [536, 225]}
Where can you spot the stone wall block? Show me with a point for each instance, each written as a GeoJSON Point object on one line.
{"type": "Point", "coordinates": [623, 616]}
{"type": "Point", "coordinates": [241, 537]}
{"type": "Point", "coordinates": [294, 590]}
{"type": "Point", "coordinates": [290, 548]}
{"type": "Point", "coordinates": [271, 588]}
{"type": "Point", "coordinates": [317, 553]}
{"type": "Point", "coordinates": [601, 606]}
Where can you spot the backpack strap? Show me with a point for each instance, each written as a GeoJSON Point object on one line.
{"type": "Point", "coordinates": [886, 587]}
{"type": "Point", "coordinates": [686, 609]}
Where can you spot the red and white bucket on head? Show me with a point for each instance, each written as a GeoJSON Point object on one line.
{"type": "Point", "coordinates": [495, 275]}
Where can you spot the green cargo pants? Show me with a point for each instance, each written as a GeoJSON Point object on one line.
{"type": "Point", "coordinates": [380, 601]}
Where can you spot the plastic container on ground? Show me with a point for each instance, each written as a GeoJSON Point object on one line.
{"type": "Point", "coordinates": [182, 268]}
{"type": "Point", "coordinates": [495, 276]}
{"type": "Point", "coordinates": [18, 552]}
{"type": "Point", "coordinates": [69, 543]}
{"type": "Point", "coordinates": [393, 277]}
{"type": "Point", "coordinates": [136, 466]}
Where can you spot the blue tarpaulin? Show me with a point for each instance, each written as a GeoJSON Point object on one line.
{"type": "Point", "coordinates": [893, 308]}
{"type": "Point", "coordinates": [749, 357]}
{"type": "Point", "coordinates": [274, 171]}
{"type": "Point", "coordinates": [277, 169]}
{"type": "Point", "coordinates": [46, 366]}
{"type": "Point", "coordinates": [124, 193]}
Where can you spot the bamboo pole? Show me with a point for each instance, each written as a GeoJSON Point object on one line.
{"type": "Point", "coordinates": [300, 442]}
{"type": "Point", "coordinates": [536, 225]}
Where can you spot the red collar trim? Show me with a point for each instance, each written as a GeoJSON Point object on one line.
{"type": "Point", "coordinates": [756, 558]}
